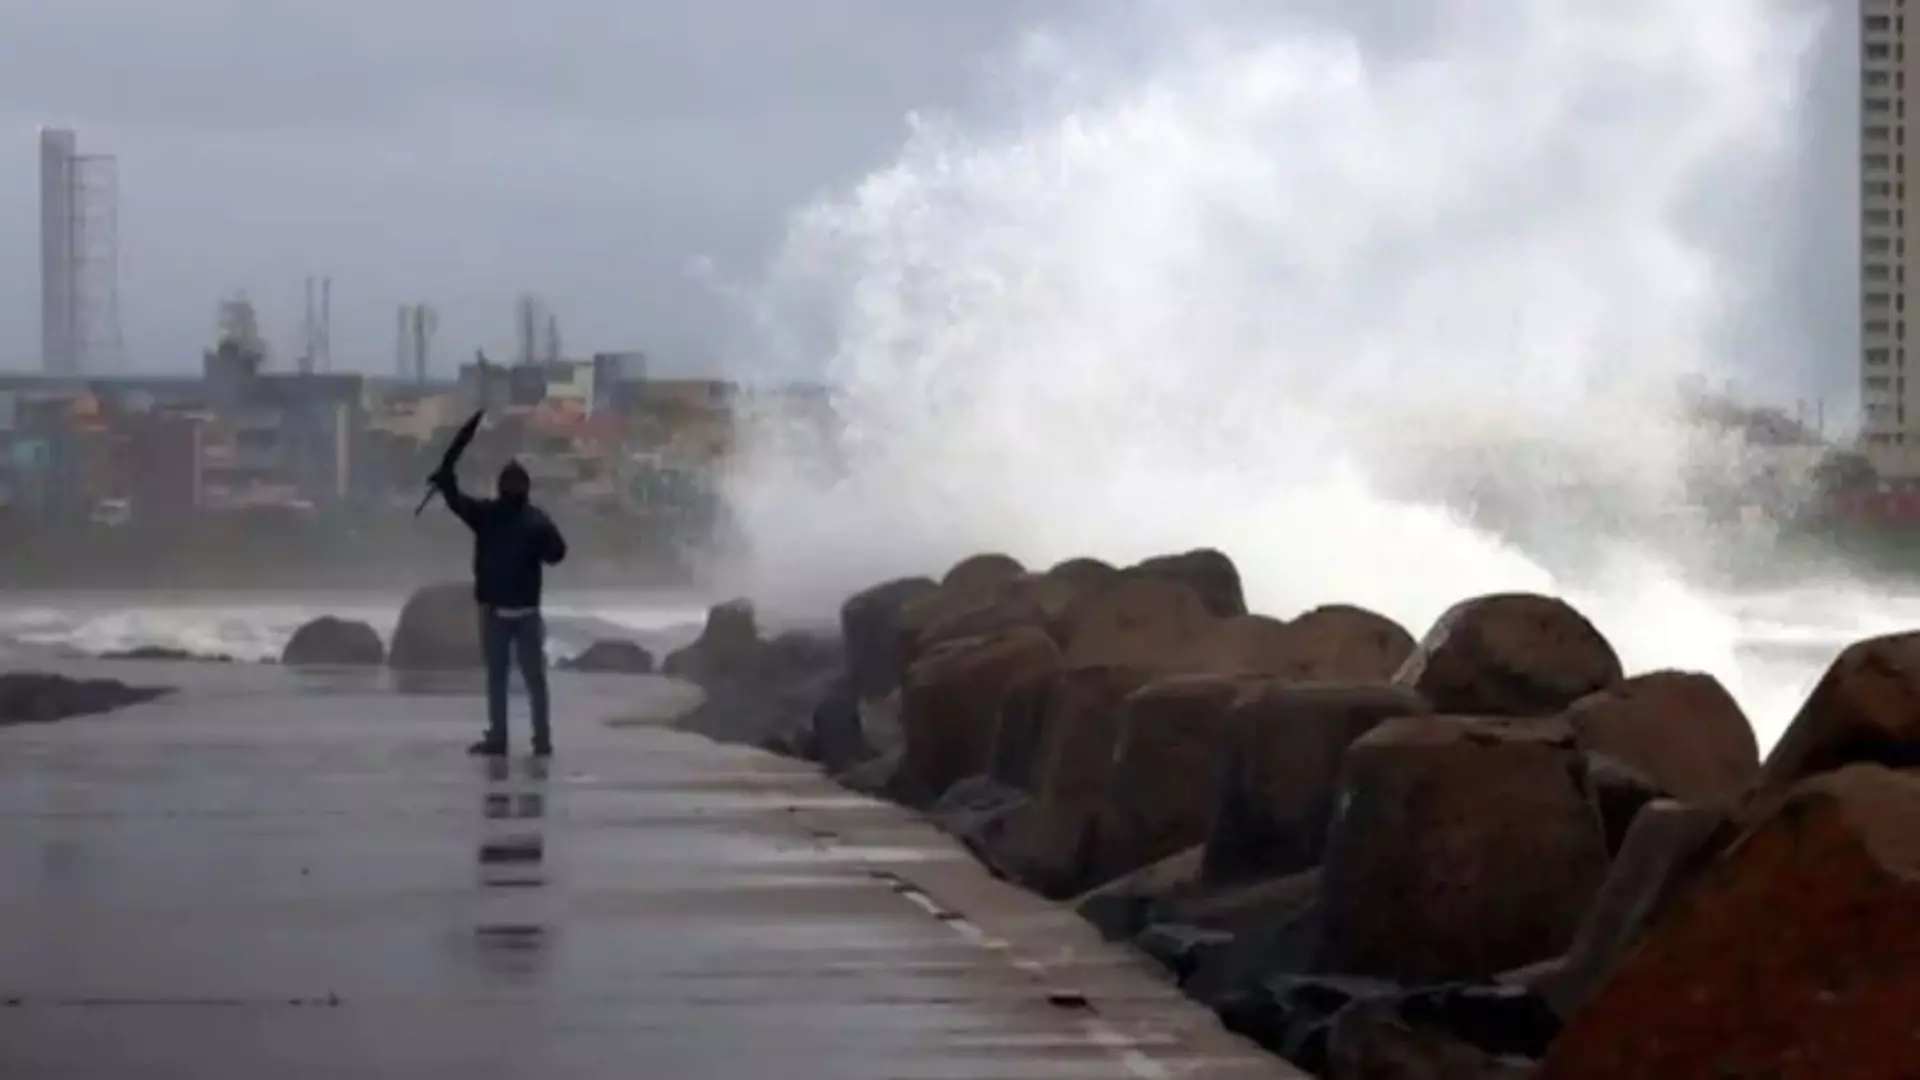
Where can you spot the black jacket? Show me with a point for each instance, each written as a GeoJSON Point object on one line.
{"type": "Point", "coordinates": [512, 541]}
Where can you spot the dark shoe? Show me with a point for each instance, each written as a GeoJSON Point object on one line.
{"type": "Point", "coordinates": [542, 748]}
{"type": "Point", "coordinates": [488, 748]}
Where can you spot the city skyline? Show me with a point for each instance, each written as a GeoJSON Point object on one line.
{"type": "Point", "coordinates": [636, 165]}
{"type": "Point", "coordinates": [461, 162]}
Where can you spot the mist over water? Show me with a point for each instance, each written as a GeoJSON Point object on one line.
{"type": "Point", "coordinates": [1390, 325]}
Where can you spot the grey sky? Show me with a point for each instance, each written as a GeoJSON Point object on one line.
{"type": "Point", "coordinates": [589, 150]}
{"type": "Point", "coordinates": [594, 151]}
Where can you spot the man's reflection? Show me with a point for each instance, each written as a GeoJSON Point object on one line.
{"type": "Point", "coordinates": [512, 860]}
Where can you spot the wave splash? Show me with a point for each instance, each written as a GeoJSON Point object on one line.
{"type": "Point", "coordinates": [1390, 327]}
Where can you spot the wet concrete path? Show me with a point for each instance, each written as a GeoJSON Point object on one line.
{"type": "Point", "coordinates": [276, 876]}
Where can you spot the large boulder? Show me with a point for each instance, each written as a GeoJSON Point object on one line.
{"type": "Point", "coordinates": [972, 599]}
{"type": "Point", "coordinates": [1866, 708]}
{"type": "Point", "coordinates": [1051, 844]}
{"type": "Point", "coordinates": [1274, 927]}
{"type": "Point", "coordinates": [328, 641]}
{"type": "Point", "coordinates": [869, 624]}
{"type": "Point", "coordinates": [611, 656]}
{"type": "Point", "coordinates": [1048, 847]}
{"type": "Point", "coordinates": [839, 737]}
{"type": "Point", "coordinates": [1243, 645]}
{"type": "Point", "coordinates": [1209, 573]}
{"type": "Point", "coordinates": [1347, 1028]}
{"type": "Point", "coordinates": [1167, 763]}
{"type": "Point", "coordinates": [1330, 644]}
{"type": "Point", "coordinates": [1083, 572]}
{"type": "Point", "coordinates": [1617, 791]}
{"type": "Point", "coordinates": [1391, 1040]}
{"type": "Point", "coordinates": [1681, 729]}
{"type": "Point", "coordinates": [1668, 845]}
{"type": "Point", "coordinates": [981, 573]}
{"type": "Point", "coordinates": [951, 700]}
{"type": "Point", "coordinates": [729, 646]}
{"type": "Point", "coordinates": [1018, 734]}
{"type": "Point", "coordinates": [1795, 957]}
{"type": "Point", "coordinates": [1510, 654]}
{"type": "Point", "coordinates": [1342, 643]}
{"type": "Point", "coordinates": [439, 630]}
{"type": "Point", "coordinates": [33, 698]}
{"type": "Point", "coordinates": [1005, 606]}
{"type": "Point", "coordinates": [1464, 848]}
{"type": "Point", "coordinates": [1281, 777]}
{"type": "Point", "coordinates": [1081, 730]}
{"type": "Point", "coordinates": [1126, 905]}
{"type": "Point", "coordinates": [1143, 622]}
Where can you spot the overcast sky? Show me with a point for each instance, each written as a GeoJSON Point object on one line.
{"type": "Point", "coordinates": [593, 151]}
{"type": "Point", "coordinates": [588, 150]}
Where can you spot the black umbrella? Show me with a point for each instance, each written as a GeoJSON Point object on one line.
{"type": "Point", "coordinates": [452, 457]}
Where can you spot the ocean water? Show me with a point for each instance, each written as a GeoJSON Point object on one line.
{"type": "Point", "coordinates": [1395, 302]}
{"type": "Point", "coordinates": [255, 627]}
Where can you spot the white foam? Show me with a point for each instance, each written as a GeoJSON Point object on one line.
{"type": "Point", "coordinates": [1391, 330]}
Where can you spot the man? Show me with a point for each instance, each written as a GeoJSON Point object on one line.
{"type": "Point", "coordinates": [512, 541]}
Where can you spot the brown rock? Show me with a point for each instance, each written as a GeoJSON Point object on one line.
{"type": "Point", "coordinates": [1018, 734]}
{"type": "Point", "coordinates": [1046, 847]}
{"type": "Point", "coordinates": [1052, 844]}
{"type": "Point", "coordinates": [1125, 905]}
{"type": "Point", "coordinates": [1208, 572]}
{"type": "Point", "coordinates": [974, 598]}
{"type": "Point", "coordinates": [1464, 848]}
{"type": "Point", "coordinates": [1511, 654]}
{"type": "Point", "coordinates": [1369, 1042]}
{"type": "Point", "coordinates": [1346, 644]}
{"type": "Point", "coordinates": [1796, 956]}
{"type": "Point", "coordinates": [1663, 854]}
{"type": "Point", "coordinates": [1244, 645]}
{"type": "Point", "coordinates": [1683, 730]}
{"type": "Point", "coordinates": [1140, 622]}
{"type": "Point", "coordinates": [611, 656]}
{"type": "Point", "coordinates": [1866, 708]}
{"type": "Point", "coordinates": [1617, 791]}
{"type": "Point", "coordinates": [951, 699]}
{"type": "Point", "coordinates": [869, 624]}
{"type": "Point", "coordinates": [1166, 770]}
{"type": "Point", "coordinates": [439, 630]}
{"type": "Point", "coordinates": [1282, 772]}
{"type": "Point", "coordinates": [729, 644]}
{"type": "Point", "coordinates": [1005, 606]}
{"type": "Point", "coordinates": [1083, 572]}
{"type": "Point", "coordinates": [1240, 906]}
{"type": "Point", "coordinates": [978, 574]}
{"type": "Point", "coordinates": [1081, 730]}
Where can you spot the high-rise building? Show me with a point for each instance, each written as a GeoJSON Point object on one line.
{"type": "Point", "coordinates": [1889, 80]}
{"type": "Point", "coordinates": [59, 253]}
{"type": "Point", "coordinates": [79, 258]}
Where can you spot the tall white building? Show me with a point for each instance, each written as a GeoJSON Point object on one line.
{"type": "Point", "coordinates": [79, 258]}
{"type": "Point", "coordinates": [60, 204]}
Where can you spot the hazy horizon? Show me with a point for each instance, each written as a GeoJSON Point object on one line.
{"type": "Point", "coordinates": [635, 164]}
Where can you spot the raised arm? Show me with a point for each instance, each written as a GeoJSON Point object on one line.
{"type": "Point", "coordinates": [553, 546]}
{"type": "Point", "coordinates": [464, 506]}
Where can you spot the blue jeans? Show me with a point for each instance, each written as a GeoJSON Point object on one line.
{"type": "Point", "coordinates": [504, 639]}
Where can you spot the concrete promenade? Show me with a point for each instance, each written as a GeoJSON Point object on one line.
{"type": "Point", "coordinates": [277, 875]}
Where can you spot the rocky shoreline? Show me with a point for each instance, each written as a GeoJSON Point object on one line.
{"type": "Point", "coordinates": [1486, 852]}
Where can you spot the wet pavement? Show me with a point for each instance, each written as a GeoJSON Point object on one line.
{"type": "Point", "coordinates": [275, 875]}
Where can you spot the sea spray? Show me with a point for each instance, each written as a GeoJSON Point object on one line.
{"type": "Point", "coordinates": [1389, 327]}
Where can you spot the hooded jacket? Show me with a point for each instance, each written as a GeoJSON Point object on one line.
{"type": "Point", "coordinates": [513, 540]}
